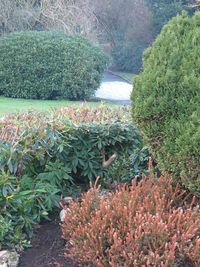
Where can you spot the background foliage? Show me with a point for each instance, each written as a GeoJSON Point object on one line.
{"type": "Point", "coordinates": [130, 26]}
{"type": "Point", "coordinates": [48, 65]}
{"type": "Point", "coordinates": [127, 27]}
{"type": "Point", "coordinates": [166, 99]}
{"type": "Point", "coordinates": [164, 10]}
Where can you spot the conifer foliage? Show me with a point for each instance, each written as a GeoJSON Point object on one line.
{"type": "Point", "coordinates": [166, 99]}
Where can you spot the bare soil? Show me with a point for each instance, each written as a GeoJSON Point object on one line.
{"type": "Point", "coordinates": [47, 248]}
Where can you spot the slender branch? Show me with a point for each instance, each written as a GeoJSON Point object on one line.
{"type": "Point", "coordinates": [107, 163]}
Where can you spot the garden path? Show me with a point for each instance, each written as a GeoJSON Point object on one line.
{"type": "Point", "coordinates": [115, 89]}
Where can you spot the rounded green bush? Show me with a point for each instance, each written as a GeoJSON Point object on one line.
{"type": "Point", "coordinates": [48, 65]}
{"type": "Point", "coordinates": [166, 99]}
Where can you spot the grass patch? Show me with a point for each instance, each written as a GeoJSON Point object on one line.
{"type": "Point", "coordinates": [13, 105]}
{"type": "Point", "coordinates": [125, 75]}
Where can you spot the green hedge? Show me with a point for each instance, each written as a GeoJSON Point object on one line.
{"type": "Point", "coordinates": [48, 65]}
{"type": "Point", "coordinates": [166, 101]}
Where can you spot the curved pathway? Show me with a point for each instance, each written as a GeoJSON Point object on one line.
{"type": "Point", "coordinates": [115, 89]}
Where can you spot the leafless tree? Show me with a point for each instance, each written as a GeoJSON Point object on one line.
{"type": "Point", "coordinates": [70, 16]}
{"type": "Point", "coordinates": [196, 4]}
{"type": "Point", "coordinates": [90, 18]}
{"type": "Point", "coordinates": [128, 17]}
{"type": "Point", "coordinates": [18, 15]}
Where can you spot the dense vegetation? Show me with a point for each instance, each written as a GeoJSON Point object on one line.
{"type": "Point", "coordinates": [49, 65]}
{"type": "Point", "coordinates": [44, 155]}
{"type": "Point", "coordinates": [134, 28]}
{"type": "Point", "coordinates": [149, 221]}
{"type": "Point", "coordinates": [145, 224]}
{"type": "Point", "coordinates": [128, 27]}
{"type": "Point", "coordinates": [166, 99]}
{"type": "Point", "coordinates": [164, 10]}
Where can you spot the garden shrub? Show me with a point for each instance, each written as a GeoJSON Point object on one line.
{"type": "Point", "coordinates": [76, 137]}
{"type": "Point", "coordinates": [130, 166]}
{"type": "Point", "coordinates": [43, 155]}
{"type": "Point", "coordinates": [25, 201]}
{"type": "Point", "coordinates": [48, 65]}
{"type": "Point", "coordinates": [144, 224]}
{"type": "Point", "coordinates": [166, 99]}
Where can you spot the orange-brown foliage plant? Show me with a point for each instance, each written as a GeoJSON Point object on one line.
{"type": "Point", "coordinates": [145, 224]}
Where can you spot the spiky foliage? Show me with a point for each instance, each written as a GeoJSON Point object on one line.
{"type": "Point", "coordinates": [144, 224]}
{"type": "Point", "coordinates": [166, 99]}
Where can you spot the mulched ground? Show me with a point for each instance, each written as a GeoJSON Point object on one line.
{"type": "Point", "coordinates": [47, 248]}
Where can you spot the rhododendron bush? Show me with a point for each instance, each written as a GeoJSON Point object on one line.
{"type": "Point", "coordinates": [80, 138]}
{"type": "Point", "coordinates": [145, 224]}
{"type": "Point", "coordinates": [43, 156]}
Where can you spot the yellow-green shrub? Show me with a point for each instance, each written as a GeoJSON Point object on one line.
{"type": "Point", "coordinates": [166, 102]}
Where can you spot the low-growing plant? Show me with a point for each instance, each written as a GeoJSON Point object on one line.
{"type": "Point", "coordinates": [25, 201]}
{"type": "Point", "coordinates": [4, 228]}
{"type": "Point", "coordinates": [145, 224]}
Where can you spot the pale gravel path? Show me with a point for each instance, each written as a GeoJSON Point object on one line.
{"type": "Point", "coordinates": [114, 88]}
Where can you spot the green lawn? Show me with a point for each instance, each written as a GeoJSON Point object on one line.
{"type": "Point", "coordinates": [125, 75]}
{"type": "Point", "coordinates": [10, 105]}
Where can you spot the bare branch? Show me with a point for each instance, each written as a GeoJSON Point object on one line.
{"type": "Point", "coordinates": [107, 163]}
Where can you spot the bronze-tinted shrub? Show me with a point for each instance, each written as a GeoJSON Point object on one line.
{"type": "Point", "coordinates": [145, 224]}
